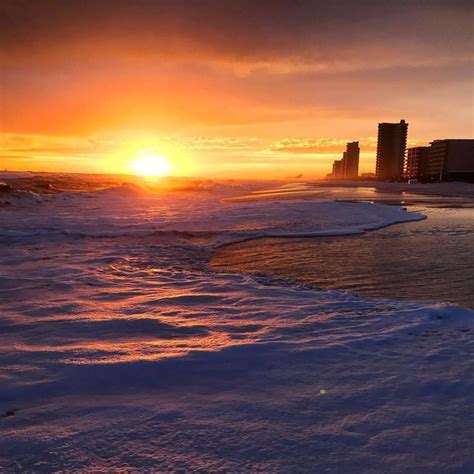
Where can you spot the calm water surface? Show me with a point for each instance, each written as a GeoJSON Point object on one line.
{"type": "Point", "coordinates": [429, 260]}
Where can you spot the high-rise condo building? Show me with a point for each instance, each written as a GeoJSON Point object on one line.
{"type": "Point", "coordinates": [351, 161]}
{"type": "Point", "coordinates": [416, 162]}
{"type": "Point", "coordinates": [338, 169]}
{"type": "Point", "coordinates": [451, 159]}
{"type": "Point", "coordinates": [348, 166]}
{"type": "Point", "coordinates": [391, 145]}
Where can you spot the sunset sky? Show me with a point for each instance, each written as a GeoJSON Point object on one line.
{"type": "Point", "coordinates": [227, 88]}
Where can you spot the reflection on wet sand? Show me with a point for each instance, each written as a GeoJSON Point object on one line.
{"type": "Point", "coordinates": [429, 260]}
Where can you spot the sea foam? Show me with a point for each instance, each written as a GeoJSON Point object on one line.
{"type": "Point", "coordinates": [121, 350]}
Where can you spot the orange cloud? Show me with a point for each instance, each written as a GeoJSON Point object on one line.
{"type": "Point", "coordinates": [228, 83]}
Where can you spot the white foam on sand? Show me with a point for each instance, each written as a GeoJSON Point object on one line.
{"type": "Point", "coordinates": [120, 349]}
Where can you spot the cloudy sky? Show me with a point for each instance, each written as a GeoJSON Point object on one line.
{"type": "Point", "coordinates": [230, 88]}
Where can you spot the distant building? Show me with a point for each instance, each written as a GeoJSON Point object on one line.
{"type": "Point", "coordinates": [338, 169]}
{"type": "Point", "coordinates": [368, 176]}
{"type": "Point", "coordinates": [351, 161]}
{"type": "Point", "coordinates": [451, 159]}
{"type": "Point", "coordinates": [391, 144]}
{"type": "Point", "coordinates": [348, 166]}
{"type": "Point", "coordinates": [416, 162]}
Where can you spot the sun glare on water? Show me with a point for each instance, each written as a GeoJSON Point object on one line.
{"type": "Point", "coordinates": [151, 166]}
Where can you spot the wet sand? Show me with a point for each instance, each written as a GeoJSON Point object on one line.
{"type": "Point", "coordinates": [430, 260]}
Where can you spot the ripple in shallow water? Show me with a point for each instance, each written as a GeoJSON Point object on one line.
{"type": "Point", "coordinates": [430, 260]}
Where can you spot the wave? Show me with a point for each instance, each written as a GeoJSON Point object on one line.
{"type": "Point", "coordinates": [121, 350]}
{"type": "Point", "coordinates": [116, 215]}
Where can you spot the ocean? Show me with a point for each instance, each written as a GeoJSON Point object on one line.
{"type": "Point", "coordinates": [123, 347]}
{"type": "Point", "coordinates": [430, 260]}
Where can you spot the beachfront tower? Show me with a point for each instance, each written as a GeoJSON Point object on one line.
{"type": "Point", "coordinates": [351, 161]}
{"type": "Point", "coordinates": [391, 145]}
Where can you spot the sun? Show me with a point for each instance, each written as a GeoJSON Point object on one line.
{"type": "Point", "coordinates": [151, 165]}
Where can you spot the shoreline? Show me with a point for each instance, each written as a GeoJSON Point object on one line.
{"type": "Point", "coordinates": [223, 258]}
{"type": "Point", "coordinates": [442, 189]}
{"type": "Point", "coordinates": [134, 338]}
